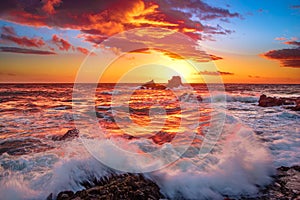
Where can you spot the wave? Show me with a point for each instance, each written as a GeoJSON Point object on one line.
{"type": "Point", "coordinates": [238, 165]}
{"type": "Point", "coordinates": [231, 98]}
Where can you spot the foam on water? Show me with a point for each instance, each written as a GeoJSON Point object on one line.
{"type": "Point", "coordinates": [237, 165]}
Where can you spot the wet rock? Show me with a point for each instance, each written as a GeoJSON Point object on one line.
{"type": "Point", "coordinates": [188, 97]}
{"type": "Point", "coordinates": [70, 134]}
{"type": "Point", "coordinates": [65, 195]}
{"type": "Point", "coordinates": [174, 82]}
{"type": "Point", "coordinates": [286, 185]}
{"type": "Point", "coordinates": [124, 186]}
{"type": "Point", "coordinates": [265, 101]}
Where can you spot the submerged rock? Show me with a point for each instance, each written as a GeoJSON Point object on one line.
{"type": "Point", "coordinates": [124, 186]}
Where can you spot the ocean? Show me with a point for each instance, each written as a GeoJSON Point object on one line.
{"type": "Point", "coordinates": [194, 141]}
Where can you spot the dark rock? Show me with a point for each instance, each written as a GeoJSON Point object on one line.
{"type": "Point", "coordinates": [285, 185]}
{"type": "Point", "coordinates": [124, 186]}
{"type": "Point", "coordinates": [70, 134]}
{"type": "Point", "coordinates": [152, 85]}
{"type": "Point", "coordinates": [174, 82]}
{"type": "Point", "coordinates": [265, 101]}
{"type": "Point", "coordinates": [190, 97]}
{"type": "Point", "coordinates": [49, 197]}
{"type": "Point", "coordinates": [65, 195]}
{"type": "Point", "coordinates": [297, 107]}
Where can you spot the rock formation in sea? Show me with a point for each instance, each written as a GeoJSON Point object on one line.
{"type": "Point", "coordinates": [70, 134]}
{"type": "Point", "coordinates": [293, 103]}
{"type": "Point", "coordinates": [174, 82]}
{"type": "Point", "coordinates": [152, 85]}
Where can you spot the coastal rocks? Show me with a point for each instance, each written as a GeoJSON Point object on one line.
{"type": "Point", "coordinates": [265, 101]}
{"type": "Point", "coordinates": [188, 97]}
{"type": "Point", "coordinates": [286, 185]}
{"type": "Point", "coordinates": [124, 186]}
{"type": "Point", "coordinates": [174, 82]}
{"type": "Point", "coordinates": [152, 85]}
{"type": "Point", "coordinates": [70, 134]}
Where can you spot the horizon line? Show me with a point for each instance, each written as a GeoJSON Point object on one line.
{"type": "Point", "coordinates": [143, 83]}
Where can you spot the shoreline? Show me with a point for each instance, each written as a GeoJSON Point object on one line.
{"type": "Point", "coordinates": [285, 185]}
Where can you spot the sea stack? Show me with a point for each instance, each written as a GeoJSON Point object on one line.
{"type": "Point", "coordinates": [174, 82]}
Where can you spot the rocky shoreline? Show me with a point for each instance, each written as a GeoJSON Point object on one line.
{"type": "Point", "coordinates": [289, 103]}
{"type": "Point", "coordinates": [286, 185]}
{"type": "Point", "coordinates": [124, 186]}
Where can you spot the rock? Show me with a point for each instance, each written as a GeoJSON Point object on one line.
{"type": "Point", "coordinates": [297, 107]}
{"type": "Point", "coordinates": [286, 185]}
{"type": "Point", "coordinates": [123, 186]}
{"type": "Point", "coordinates": [188, 97]}
{"type": "Point", "coordinates": [70, 134]}
{"type": "Point", "coordinates": [152, 85]}
{"type": "Point", "coordinates": [49, 197]}
{"type": "Point", "coordinates": [174, 82]}
{"type": "Point", "coordinates": [65, 195]}
{"type": "Point", "coordinates": [265, 101]}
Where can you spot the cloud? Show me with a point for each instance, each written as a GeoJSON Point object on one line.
{"type": "Point", "coordinates": [9, 35]}
{"type": "Point", "coordinates": [295, 6]}
{"type": "Point", "coordinates": [109, 17]}
{"type": "Point", "coordinates": [83, 50]}
{"type": "Point", "coordinates": [8, 30]}
{"type": "Point", "coordinates": [49, 5]}
{"type": "Point", "coordinates": [61, 43]}
{"type": "Point", "coordinates": [251, 76]}
{"type": "Point", "coordinates": [287, 57]}
{"type": "Point", "coordinates": [25, 51]}
{"type": "Point", "coordinates": [23, 41]}
{"type": "Point", "coordinates": [280, 38]}
{"type": "Point", "coordinates": [98, 20]}
{"type": "Point", "coordinates": [94, 39]}
{"type": "Point", "coordinates": [292, 42]}
{"type": "Point", "coordinates": [8, 74]}
{"type": "Point", "coordinates": [215, 73]}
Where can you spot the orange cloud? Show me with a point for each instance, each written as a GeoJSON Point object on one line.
{"type": "Point", "coordinates": [8, 34]}
{"type": "Point", "coordinates": [110, 17]}
{"type": "Point", "coordinates": [215, 73]}
{"type": "Point", "coordinates": [83, 50]}
{"type": "Point", "coordinates": [287, 57]}
{"type": "Point", "coordinates": [61, 43]}
{"type": "Point", "coordinates": [49, 5]}
{"type": "Point", "coordinates": [25, 51]}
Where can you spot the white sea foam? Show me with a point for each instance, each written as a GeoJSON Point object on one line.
{"type": "Point", "coordinates": [237, 164]}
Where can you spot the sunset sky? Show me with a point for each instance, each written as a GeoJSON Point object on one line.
{"type": "Point", "coordinates": [243, 41]}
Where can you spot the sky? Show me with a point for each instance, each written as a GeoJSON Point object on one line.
{"type": "Point", "coordinates": [139, 40]}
